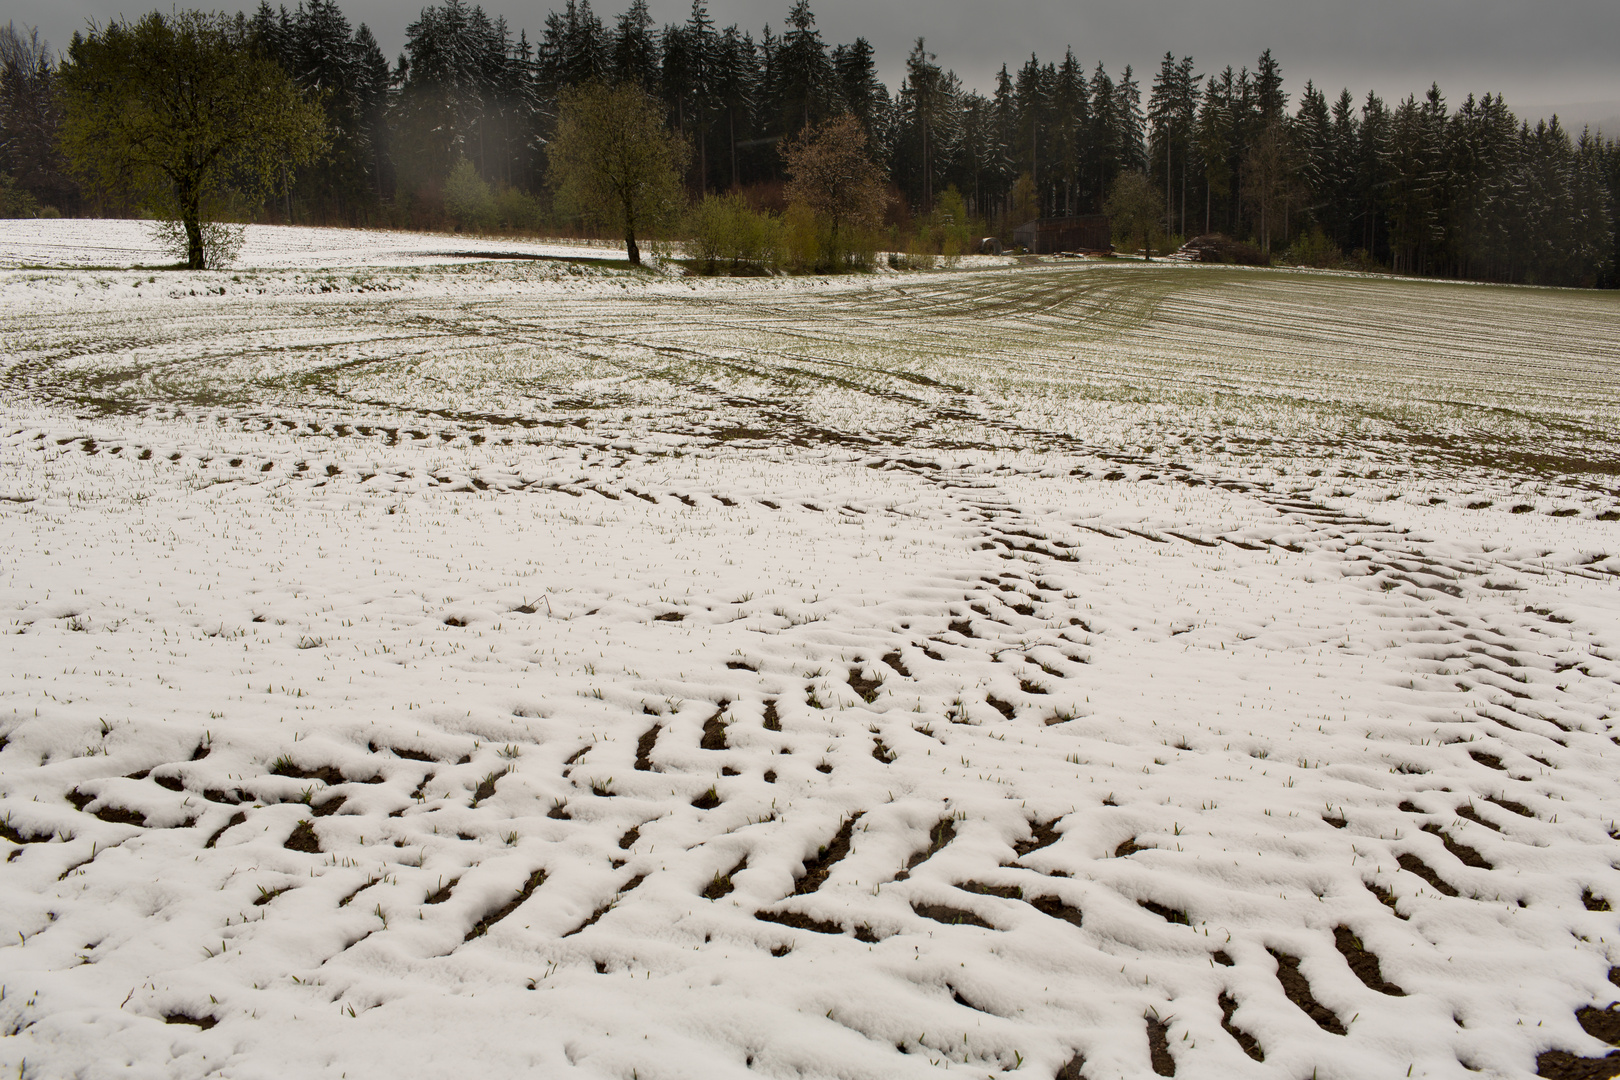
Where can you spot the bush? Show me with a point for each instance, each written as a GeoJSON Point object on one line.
{"type": "Point", "coordinates": [221, 241]}
{"type": "Point", "coordinates": [725, 230]}
{"type": "Point", "coordinates": [467, 199]}
{"type": "Point", "coordinates": [1314, 249]}
{"type": "Point", "coordinates": [803, 248]}
{"type": "Point", "coordinates": [14, 201]}
{"type": "Point", "coordinates": [517, 211]}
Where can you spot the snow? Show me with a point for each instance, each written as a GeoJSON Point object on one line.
{"type": "Point", "coordinates": [86, 242]}
{"type": "Point", "coordinates": [1159, 585]}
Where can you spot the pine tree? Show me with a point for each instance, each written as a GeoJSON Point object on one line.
{"type": "Point", "coordinates": [804, 71]}
{"type": "Point", "coordinates": [1069, 130]}
{"type": "Point", "coordinates": [702, 48]}
{"type": "Point", "coordinates": [861, 93]}
{"type": "Point", "coordinates": [1270, 100]}
{"type": "Point", "coordinates": [733, 88]}
{"type": "Point", "coordinates": [927, 106]}
{"type": "Point", "coordinates": [1130, 122]}
{"type": "Point", "coordinates": [635, 50]}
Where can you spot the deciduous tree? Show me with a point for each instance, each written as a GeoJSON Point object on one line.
{"type": "Point", "coordinates": [1134, 208]}
{"type": "Point", "coordinates": [830, 171]}
{"type": "Point", "coordinates": [176, 109]}
{"type": "Point", "coordinates": [613, 162]}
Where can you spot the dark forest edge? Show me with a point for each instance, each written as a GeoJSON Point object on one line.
{"type": "Point", "coordinates": [454, 135]}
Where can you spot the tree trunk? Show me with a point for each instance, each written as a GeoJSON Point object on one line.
{"type": "Point", "coordinates": [1169, 192]}
{"type": "Point", "coordinates": [630, 233]}
{"type": "Point", "coordinates": [194, 244]}
{"type": "Point", "coordinates": [191, 219]}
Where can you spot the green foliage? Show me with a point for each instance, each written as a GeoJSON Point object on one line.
{"type": "Point", "coordinates": [831, 175]}
{"type": "Point", "coordinates": [1313, 248]}
{"type": "Point", "coordinates": [237, 120]}
{"type": "Point", "coordinates": [613, 164]}
{"type": "Point", "coordinates": [468, 200]}
{"type": "Point", "coordinates": [726, 232]}
{"type": "Point", "coordinates": [518, 211]}
{"type": "Point", "coordinates": [1025, 204]}
{"type": "Point", "coordinates": [14, 201]}
{"type": "Point", "coordinates": [945, 234]}
{"type": "Point", "coordinates": [1134, 210]}
{"type": "Point", "coordinates": [803, 239]}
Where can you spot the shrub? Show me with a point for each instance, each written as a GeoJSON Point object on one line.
{"type": "Point", "coordinates": [1314, 249]}
{"type": "Point", "coordinates": [802, 244]}
{"type": "Point", "coordinates": [517, 211]}
{"type": "Point", "coordinates": [14, 201]}
{"type": "Point", "coordinates": [467, 199]}
{"type": "Point", "coordinates": [725, 230]}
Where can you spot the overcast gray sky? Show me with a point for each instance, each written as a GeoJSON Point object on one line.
{"type": "Point", "coordinates": [1546, 55]}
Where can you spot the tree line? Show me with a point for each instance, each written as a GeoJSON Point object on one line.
{"type": "Point", "coordinates": [455, 131]}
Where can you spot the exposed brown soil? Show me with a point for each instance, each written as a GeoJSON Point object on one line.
{"type": "Point", "coordinates": [1413, 864]}
{"type": "Point", "coordinates": [481, 927]}
{"type": "Point", "coordinates": [17, 837]}
{"type": "Point", "coordinates": [303, 839]}
{"type": "Point", "coordinates": [1074, 1069]}
{"type": "Point", "coordinates": [236, 819]}
{"type": "Point", "coordinates": [1042, 834]}
{"type": "Point", "coordinates": [865, 687]}
{"type": "Point", "coordinates": [1560, 1065]}
{"type": "Point", "coordinates": [1298, 989]}
{"type": "Point", "coordinates": [772, 721]}
{"type": "Point", "coordinates": [798, 922]}
{"type": "Point", "coordinates": [1053, 907]}
{"type": "Point", "coordinates": [1385, 897]}
{"type": "Point", "coordinates": [204, 1022]}
{"type": "Point", "coordinates": [894, 661]}
{"type": "Point", "coordinates": [1468, 813]}
{"type": "Point", "coordinates": [1158, 1036]}
{"type": "Point", "coordinates": [940, 835]}
{"type": "Point", "coordinates": [1168, 914]}
{"type": "Point", "coordinates": [1249, 1043]}
{"type": "Point", "coordinates": [330, 806]}
{"type": "Point", "coordinates": [644, 748]}
{"type": "Point", "coordinates": [1006, 892]}
{"type": "Point", "coordinates": [1464, 854]}
{"type": "Point", "coordinates": [1511, 806]}
{"type": "Point", "coordinates": [721, 885]}
{"type": "Point", "coordinates": [486, 787]}
{"type": "Point", "coordinates": [714, 731]}
{"type": "Point", "coordinates": [817, 869]}
{"type": "Point", "coordinates": [1601, 1023]}
{"type": "Point", "coordinates": [951, 916]}
{"type": "Point", "coordinates": [1362, 962]}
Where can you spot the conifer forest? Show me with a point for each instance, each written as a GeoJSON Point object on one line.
{"type": "Point", "coordinates": [1436, 184]}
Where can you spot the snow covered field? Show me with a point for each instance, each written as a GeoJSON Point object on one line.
{"type": "Point", "coordinates": [85, 242]}
{"type": "Point", "coordinates": [519, 668]}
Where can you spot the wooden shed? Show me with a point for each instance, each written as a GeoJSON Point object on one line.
{"type": "Point", "coordinates": [1048, 236]}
